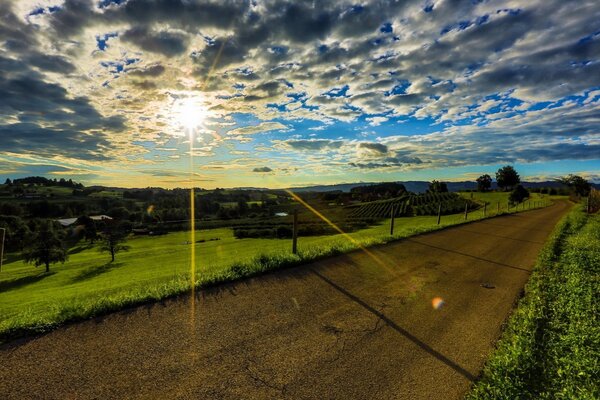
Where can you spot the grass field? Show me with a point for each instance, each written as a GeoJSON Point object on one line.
{"type": "Point", "coordinates": [550, 348]}
{"type": "Point", "coordinates": [157, 267]}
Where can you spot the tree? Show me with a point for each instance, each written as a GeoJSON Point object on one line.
{"type": "Point", "coordinates": [90, 231]}
{"type": "Point", "coordinates": [507, 177]}
{"type": "Point", "coordinates": [8, 182]}
{"type": "Point", "coordinates": [577, 184]}
{"type": "Point", "coordinates": [518, 194]}
{"type": "Point", "coordinates": [47, 246]}
{"type": "Point", "coordinates": [484, 182]}
{"type": "Point", "coordinates": [113, 238]}
{"type": "Point", "coordinates": [437, 187]}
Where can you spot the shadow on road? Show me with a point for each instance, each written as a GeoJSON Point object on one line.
{"type": "Point", "coordinates": [469, 255]}
{"type": "Point", "coordinates": [399, 329]}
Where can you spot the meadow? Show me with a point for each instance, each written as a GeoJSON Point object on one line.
{"type": "Point", "coordinates": [157, 267]}
{"type": "Point", "coordinates": [550, 348]}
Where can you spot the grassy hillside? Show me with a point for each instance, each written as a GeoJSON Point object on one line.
{"type": "Point", "coordinates": [551, 346]}
{"type": "Point", "coordinates": [157, 267]}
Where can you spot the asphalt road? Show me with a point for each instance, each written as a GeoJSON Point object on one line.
{"type": "Point", "coordinates": [348, 327]}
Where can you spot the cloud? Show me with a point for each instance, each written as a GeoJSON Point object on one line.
{"type": "Point", "coordinates": [255, 129]}
{"type": "Point", "coordinates": [374, 147]}
{"type": "Point", "coordinates": [457, 84]}
{"type": "Point", "coordinates": [153, 71]}
{"type": "Point", "coordinates": [311, 144]}
{"type": "Point", "coordinates": [262, 169]}
{"type": "Point", "coordinates": [163, 42]}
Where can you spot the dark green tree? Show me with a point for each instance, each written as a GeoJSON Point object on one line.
{"type": "Point", "coordinates": [577, 184]}
{"type": "Point", "coordinates": [437, 187]}
{"type": "Point", "coordinates": [47, 246]}
{"type": "Point", "coordinates": [518, 194]}
{"type": "Point", "coordinates": [484, 182]}
{"type": "Point", "coordinates": [90, 231]}
{"type": "Point", "coordinates": [507, 177]}
{"type": "Point", "coordinates": [113, 239]}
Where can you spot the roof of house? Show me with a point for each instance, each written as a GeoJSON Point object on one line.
{"type": "Point", "coordinates": [71, 221]}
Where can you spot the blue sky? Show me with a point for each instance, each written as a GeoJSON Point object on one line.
{"type": "Point", "coordinates": [284, 93]}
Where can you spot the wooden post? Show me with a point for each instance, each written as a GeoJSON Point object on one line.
{"type": "Point", "coordinates": [295, 233]}
{"type": "Point", "coordinates": [439, 213]}
{"type": "Point", "coordinates": [588, 204]}
{"type": "Point", "coordinates": [2, 251]}
{"type": "Point", "coordinates": [484, 209]}
{"type": "Point", "coordinates": [392, 222]}
{"type": "Point", "coordinates": [466, 210]}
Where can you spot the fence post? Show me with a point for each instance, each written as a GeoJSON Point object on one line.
{"type": "Point", "coordinates": [439, 213]}
{"type": "Point", "coordinates": [392, 221]}
{"type": "Point", "coordinates": [498, 212]}
{"type": "Point", "coordinates": [484, 209]}
{"type": "Point", "coordinates": [295, 233]}
{"type": "Point", "coordinates": [2, 251]}
{"type": "Point", "coordinates": [466, 210]}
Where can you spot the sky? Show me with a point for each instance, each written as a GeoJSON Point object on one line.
{"type": "Point", "coordinates": [283, 93]}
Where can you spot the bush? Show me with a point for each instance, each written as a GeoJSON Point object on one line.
{"type": "Point", "coordinates": [518, 194]}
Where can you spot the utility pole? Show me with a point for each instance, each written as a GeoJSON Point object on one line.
{"type": "Point", "coordinates": [392, 222]}
{"type": "Point", "coordinates": [2, 248]}
{"type": "Point", "coordinates": [295, 233]}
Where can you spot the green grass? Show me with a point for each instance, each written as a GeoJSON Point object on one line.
{"type": "Point", "coordinates": [158, 267]}
{"type": "Point", "coordinates": [550, 348]}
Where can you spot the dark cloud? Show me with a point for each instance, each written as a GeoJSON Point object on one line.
{"type": "Point", "coordinates": [151, 71]}
{"type": "Point", "coordinates": [376, 147]}
{"type": "Point", "coordinates": [30, 138]}
{"type": "Point", "coordinates": [163, 42]}
{"type": "Point", "coordinates": [262, 169]}
{"type": "Point", "coordinates": [313, 144]}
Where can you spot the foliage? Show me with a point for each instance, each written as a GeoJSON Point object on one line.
{"type": "Point", "coordinates": [518, 194]}
{"type": "Point", "coordinates": [484, 182]}
{"type": "Point", "coordinates": [577, 184]}
{"type": "Point", "coordinates": [384, 190]}
{"type": "Point", "coordinates": [551, 345]}
{"type": "Point", "coordinates": [423, 204]}
{"type": "Point", "coordinates": [507, 177]}
{"type": "Point", "coordinates": [437, 187]}
{"type": "Point", "coordinates": [47, 246]}
{"type": "Point", "coordinates": [113, 239]}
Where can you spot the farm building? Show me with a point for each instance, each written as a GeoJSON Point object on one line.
{"type": "Point", "coordinates": [70, 221]}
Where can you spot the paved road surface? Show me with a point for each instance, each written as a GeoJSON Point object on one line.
{"type": "Point", "coordinates": [342, 328]}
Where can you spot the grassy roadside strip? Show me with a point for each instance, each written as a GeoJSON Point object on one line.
{"type": "Point", "coordinates": [31, 322]}
{"type": "Point", "coordinates": [550, 348]}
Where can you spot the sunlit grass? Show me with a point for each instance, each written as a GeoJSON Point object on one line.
{"type": "Point", "coordinates": [158, 267]}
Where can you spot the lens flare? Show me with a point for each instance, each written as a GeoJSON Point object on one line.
{"type": "Point", "coordinates": [437, 303]}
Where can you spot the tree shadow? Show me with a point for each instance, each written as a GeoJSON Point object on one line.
{"type": "Point", "coordinates": [80, 248]}
{"type": "Point", "coordinates": [93, 272]}
{"type": "Point", "coordinates": [14, 284]}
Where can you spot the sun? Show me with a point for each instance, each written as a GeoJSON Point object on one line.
{"type": "Point", "coordinates": [189, 112]}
